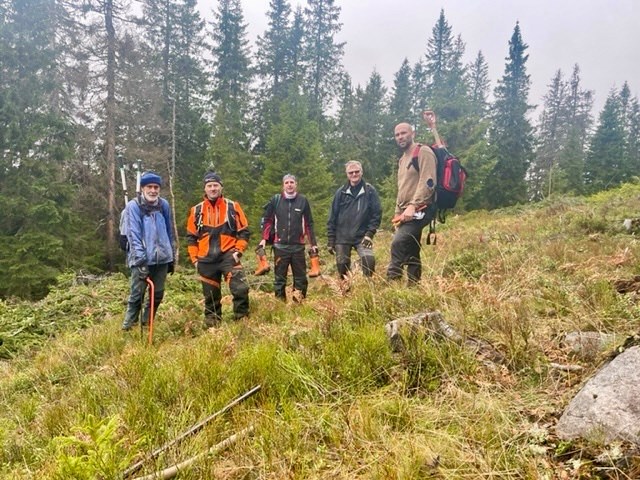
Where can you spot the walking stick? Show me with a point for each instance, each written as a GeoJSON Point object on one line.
{"type": "Point", "coordinates": [152, 291]}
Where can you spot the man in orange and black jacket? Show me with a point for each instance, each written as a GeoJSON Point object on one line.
{"type": "Point", "coordinates": [217, 235]}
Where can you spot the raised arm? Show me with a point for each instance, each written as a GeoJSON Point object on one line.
{"type": "Point", "coordinates": [429, 118]}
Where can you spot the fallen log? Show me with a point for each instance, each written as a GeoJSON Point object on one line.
{"type": "Point", "coordinates": [434, 323]}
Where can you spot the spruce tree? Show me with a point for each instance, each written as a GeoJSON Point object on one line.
{"type": "Point", "coordinates": [228, 151]}
{"type": "Point", "coordinates": [511, 132]}
{"type": "Point", "coordinates": [603, 168]}
{"type": "Point", "coordinates": [400, 107]}
{"type": "Point", "coordinates": [552, 134]}
{"type": "Point", "coordinates": [322, 55]}
{"type": "Point", "coordinates": [371, 126]}
{"type": "Point", "coordinates": [478, 81]}
{"type": "Point", "coordinates": [294, 146]}
{"type": "Point", "coordinates": [37, 225]}
{"type": "Point", "coordinates": [569, 177]}
{"type": "Point", "coordinates": [274, 68]}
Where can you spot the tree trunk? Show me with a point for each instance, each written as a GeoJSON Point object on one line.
{"type": "Point", "coordinates": [110, 133]}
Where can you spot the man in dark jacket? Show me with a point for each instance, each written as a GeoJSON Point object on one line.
{"type": "Point", "coordinates": [289, 217]}
{"type": "Point", "coordinates": [353, 221]}
{"type": "Point", "coordinates": [149, 230]}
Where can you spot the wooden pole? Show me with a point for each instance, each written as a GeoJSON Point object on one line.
{"type": "Point", "coordinates": [197, 427]}
{"type": "Point", "coordinates": [174, 470]}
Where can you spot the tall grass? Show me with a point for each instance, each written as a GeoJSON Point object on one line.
{"type": "Point", "coordinates": [81, 399]}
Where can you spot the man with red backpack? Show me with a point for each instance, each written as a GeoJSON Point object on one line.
{"type": "Point", "coordinates": [415, 203]}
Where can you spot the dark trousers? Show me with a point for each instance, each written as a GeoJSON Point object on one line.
{"type": "Point", "coordinates": [158, 275]}
{"type": "Point", "coordinates": [285, 256]}
{"type": "Point", "coordinates": [343, 259]}
{"type": "Point", "coordinates": [405, 250]}
{"type": "Point", "coordinates": [211, 275]}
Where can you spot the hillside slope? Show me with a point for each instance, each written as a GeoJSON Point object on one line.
{"type": "Point", "coordinates": [81, 399]}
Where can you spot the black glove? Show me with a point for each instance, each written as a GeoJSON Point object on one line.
{"type": "Point", "coordinates": [171, 267]}
{"type": "Point", "coordinates": [143, 272]}
{"type": "Point", "coordinates": [236, 254]}
{"type": "Point", "coordinates": [331, 249]}
{"type": "Point", "coordinates": [367, 242]}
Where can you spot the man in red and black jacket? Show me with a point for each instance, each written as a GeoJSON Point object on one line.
{"type": "Point", "coordinates": [289, 217]}
{"type": "Point", "coordinates": [217, 236]}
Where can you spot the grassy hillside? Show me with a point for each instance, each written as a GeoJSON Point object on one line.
{"type": "Point", "coordinates": [81, 399]}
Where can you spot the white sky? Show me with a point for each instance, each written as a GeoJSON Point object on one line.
{"type": "Point", "coordinates": [601, 36]}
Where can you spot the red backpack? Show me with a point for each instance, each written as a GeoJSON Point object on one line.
{"type": "Point", "coordinates": [450, 179]}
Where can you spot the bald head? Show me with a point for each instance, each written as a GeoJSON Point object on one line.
{"type": "Point", "coordinates": [404, 134]}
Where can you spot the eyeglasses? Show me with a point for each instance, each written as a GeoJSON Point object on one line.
{"type": "Point", "coordinates": [354, 172]}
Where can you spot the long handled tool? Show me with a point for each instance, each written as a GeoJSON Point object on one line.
{"type": "Point", "coordinates": [152, 312]}
{"type": "Point", "coordinates": [196, 428]}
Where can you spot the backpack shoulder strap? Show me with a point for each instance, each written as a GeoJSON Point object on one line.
{"type": "Point", "coordinates": [198, 216]}
{"type": "Point", "coordinates": [231, 215]}
{"type": "Point", "coordinates": [414, 157]}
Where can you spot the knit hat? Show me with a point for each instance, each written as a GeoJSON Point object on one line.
{"type": "Point", "coordinates": [150, 177]}
{"type": "Point", "coordinates": [211, 177]}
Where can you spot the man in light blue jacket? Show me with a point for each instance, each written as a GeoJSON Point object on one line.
{"type": "Point", "coordinates": [151, 252]}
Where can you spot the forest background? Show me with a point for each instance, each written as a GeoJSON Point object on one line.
{"type": "Point", "coordinates": [89, 86]}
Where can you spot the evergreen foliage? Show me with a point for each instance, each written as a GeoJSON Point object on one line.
{"type": "Point", "coordinates": [87, 85]}
{"type": "Point", "coordinates": [511, 132]}
{"type": "Point", "coordinates": [322, 55]}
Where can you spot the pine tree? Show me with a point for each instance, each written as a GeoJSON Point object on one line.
{"type": "Point", "coordinates": [511, 132]}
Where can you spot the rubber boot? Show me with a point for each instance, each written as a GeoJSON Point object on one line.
{"type": "Point", "coordinates": [315, 265]}
{"type": "Point", "coordinates": [263, 263]}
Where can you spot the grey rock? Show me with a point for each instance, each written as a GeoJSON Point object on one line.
{"type": "Point", "coordinates": [607, 408]}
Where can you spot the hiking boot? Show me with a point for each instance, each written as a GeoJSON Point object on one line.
{"type": "Point", "coordinates": [297, 296]}
{"type": "Point", "coordinates": [212, 321]}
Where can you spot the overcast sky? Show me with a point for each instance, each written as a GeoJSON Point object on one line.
{"type": "Point", "coordinates": [601, 36]}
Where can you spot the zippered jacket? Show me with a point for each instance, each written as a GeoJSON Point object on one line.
{"type": "Point", "coordinates": [291, 220]}
{"type": "Point", "coordinates": [355, 212]}
{"type": "Point", "coordinates": [215, 227]}
{"type": "Point", "coordinates": [149, 233]}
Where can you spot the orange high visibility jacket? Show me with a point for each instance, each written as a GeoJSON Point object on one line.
{"type": "Point", "coordinates": [215, 227]}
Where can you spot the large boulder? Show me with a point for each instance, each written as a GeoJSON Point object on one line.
{"type": "Point", "coordinates": [607, 408]}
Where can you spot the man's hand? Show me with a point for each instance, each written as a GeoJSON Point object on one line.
{"type": "Point", "coordinates": [143, 272]}
{"type": "Point", "coordinates": [262, 244]}
{"type": "Point", "coordinates": [237, 254]}
{"type": "Point", "coordinates": [429, 118]}
{"type": "Point", "coordinates": [408, 213]}
{"type": "Point", "coordinates": [171, 267]}
{"type": "Point", "coordinates": [367, 242]}
{"type": "Point", "coordinates": [331, 249]}
{"type": "Point", "coordinates": [313, 250]}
